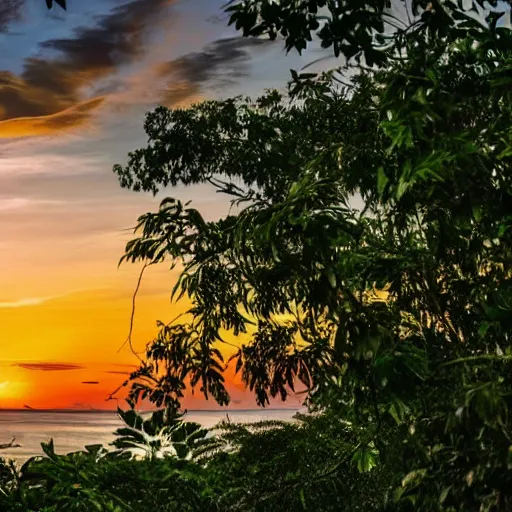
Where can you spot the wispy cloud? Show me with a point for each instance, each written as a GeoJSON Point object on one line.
{"type": "Point", "coordinates": [124, 369]}
{"type": "Point", "coordinates": [49, 164]}
{"type": "Point", "coordinates": [188, 78]}
{"type": "Point", "coordinates": [38, 301]}
{"type": "Point", "coordinates": [23, 303]}
{"type": "Point", "coordinates": [222, 58]}
{"type": "Point", "coordinates": [67, 119]}
{"type": "Point", "coordinates": [49, 366]}
{"type": "Point", "coordinates": [220, 63]}
{"type": "Point", "coordinates": [61, 92]}
{"type": "Point", "coordinates": [112, 63]}
{"type": "Point", "coordinates": [9, 204]}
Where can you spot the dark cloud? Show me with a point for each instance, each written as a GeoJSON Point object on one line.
{"type": "Point", "coordinates": [223, 61]}
{"type": "Point", "coordinates": [54, 84]}
{"type": "Point", "coordinates": [10, 10]}
{"type": "Point", "coordinates": [116, 38]}
{"type": "Point", "coordinates": [90, 382]}
{"type": "Point", "coordinates": [49, 367]}
{"type": "Point", "coordinates": [223, 56]}
{"type": "Point", "coordinates": [128, 369]}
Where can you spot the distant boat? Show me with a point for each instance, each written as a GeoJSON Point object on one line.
{"type": "Point", "coordinates": [29, 408]}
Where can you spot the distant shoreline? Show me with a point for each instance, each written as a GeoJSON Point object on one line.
{"type": "Point", "coordinates": [105, 411]}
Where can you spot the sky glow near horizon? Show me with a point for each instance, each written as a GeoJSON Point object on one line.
{"type": "Point", "coordinates": [74, 87]}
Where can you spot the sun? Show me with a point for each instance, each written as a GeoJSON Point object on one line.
{"type": "Point", "coordinates": [9, 393]}
{"type": "Point", "coordinates": [4, 389]}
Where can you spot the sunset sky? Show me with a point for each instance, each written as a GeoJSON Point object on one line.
{"type": "Point", "coordinates": [74, 87]}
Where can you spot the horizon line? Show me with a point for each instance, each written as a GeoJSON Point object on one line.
{"type": "Point", "coordinates": [62, 410]}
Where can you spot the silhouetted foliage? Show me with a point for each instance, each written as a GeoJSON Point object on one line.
{"type": "Point", "coordinates": [148, 470]}
{"type": "Point", "coordinates": [372, 31]}
{"type": "Point", "coordinates": [266, 466]}
{"type": "Point", "coordinates": [94, 479]}
{"type": "Point", "coordinates": [278, 466]}
{"type": "Point", "coordinates": [367, 255]}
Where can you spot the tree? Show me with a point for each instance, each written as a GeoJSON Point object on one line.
{"type": "Point", "coordinates": [372, 30]}
{"type": "Point", "coordinates": [396, 313]}
{"type": "Point", "coordinates": [291, 474]}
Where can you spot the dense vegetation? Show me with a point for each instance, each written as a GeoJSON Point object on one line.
{"type": "Point", "coordinates": [366, 260]}
{"type": "Point", "coordinates": [269, 466]}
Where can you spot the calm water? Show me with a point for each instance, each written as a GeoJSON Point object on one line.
{"type": "Point", "coordinates": [73, 431]}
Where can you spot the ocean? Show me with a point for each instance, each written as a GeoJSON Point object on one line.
{"type": "Point", "coordinates": [72, 431]}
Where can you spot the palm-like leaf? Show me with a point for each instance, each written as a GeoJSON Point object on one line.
{"type": "Point", "coordinates": [162, 434]}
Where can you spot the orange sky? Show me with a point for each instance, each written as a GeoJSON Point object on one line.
{"type": "Point", "coordinates": [74, 87]}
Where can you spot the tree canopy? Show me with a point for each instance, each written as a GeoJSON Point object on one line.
{"type": "Point", "coordinates": [375, 30]}
{"type": "Point", "coordinates": [367, 255]}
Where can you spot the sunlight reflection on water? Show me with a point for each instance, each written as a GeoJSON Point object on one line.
{"type": "Point", "coordinates": [72, 431]}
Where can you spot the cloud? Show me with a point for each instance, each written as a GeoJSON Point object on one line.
{"type": "Point", "coordinates": [61, 92]}
{"type": "Point", "coordinates": [128, 369]}
{"type": "Point", "coordinates": [223, 55]}
{"type": "Point", "coordinates": [49, 367]}
{"type": "Point", "coordinates": [22, 303]}
{"type": "Point", "coordinates": [10, 10]}
{"type": "Point", "coordinates": [67, 119]}
{"type": "Point", "coordinates": [37, 301]}
{"type": "Point", "coordinates": [221, 62]}
{"type": "Point", "coordinates": [61, 88]}
{"type": "Point", "coordinates": [9, 204]}
{"type": "Point", "coordinates": [90, 382]}
{"type": "Point", "coordinates": [14, 166]}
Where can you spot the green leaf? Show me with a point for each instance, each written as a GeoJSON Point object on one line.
{"type": "Point", "coordinates": [331, 276]}
{"type": "Point", "coordinates": [382, 180]}
{"type": "Point", "coordinates": [402, 188]}
{"type": "Point", "coordinates": [365, 458]}
{"type": "Point", "coordinates": [444, 494]}
{"type": "Point", "coordinates": [398, 411]}
{"type": "Point", "coordinates": [414, 478]}
{"type": "Point", "coordinates": [302, 499]}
